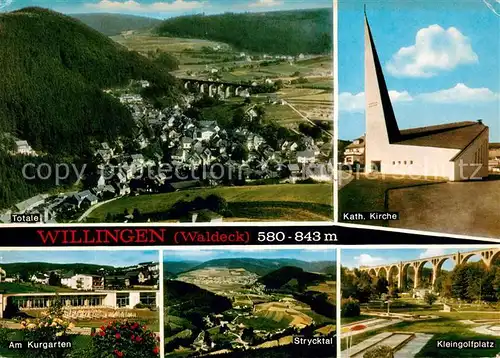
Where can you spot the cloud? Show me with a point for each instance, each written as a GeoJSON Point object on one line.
{"type": "Point", "coordinates": [160, 6]}
{"type": "Point", "coordinates": [435, 251]}
{"type": "Point", "coordinates": [5, 4]}
{"type": "Point", "coordinates": [435, 50]}
{"type": "Point", "coordinates": [460, 94]}
{"type": "Point", "coordinates": [349, 102]}
{"type": "Point", "coordinates": [368, 260]}
{"type": "Point", "coordinates": [266, 3]}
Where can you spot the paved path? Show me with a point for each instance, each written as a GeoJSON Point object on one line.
{"type": "Point", "coordinates": [367, 343]}
{"type": "Point", "coordinates": [92, 208]}
{"type": "Point", "coordinates": [414, 346]}
{"type": "Point", "coordinates": [390, 339]}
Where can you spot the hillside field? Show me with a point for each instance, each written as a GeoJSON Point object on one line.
{"type": "Point", "coordinates": [300, 202]}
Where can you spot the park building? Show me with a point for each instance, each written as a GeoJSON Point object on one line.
{"type": "Point", "coordinates": [83, 282]}
{"type": "Point", "coordinates": [70, 300]}
{"type": "Point", "coordinates": [454, 151]}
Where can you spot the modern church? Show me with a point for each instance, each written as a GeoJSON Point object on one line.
{"type": "Point", "coordinates": [456, 151]}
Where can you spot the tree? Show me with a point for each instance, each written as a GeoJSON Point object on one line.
{"type": "Point", "coordinates": [430, 298]}
{"type": "Point", "coordinates": [137, 215]}
{"type": "Point", "coordinates": [54, 279]}
{"type": "Point", "coordinates": [239, 117]}
{"type": "Point", "coordinates": [248, 335]}
{"type": "Point", "coordinates": [240, 153]}
{"type": "Point", "coordinates": [380, 286]}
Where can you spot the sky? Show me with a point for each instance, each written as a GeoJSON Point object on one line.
{"type": "Point", "coordinates": [167, 8]}
{"type": "Point", "coordinates": [441, 61]}
{"type": "Point", "coordinates": [115, 258]}
{"type": "Point", "coordinates": [310, 254]}
{"type": "Point", "coordinates": [374, 257]}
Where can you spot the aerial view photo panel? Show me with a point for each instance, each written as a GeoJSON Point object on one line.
{"type": "Point", "coordinates": [250, 302]}
{"type": "Point", "coordinates": [419, 115]}
{"type": "Point", "coordinates": [174, 111]}
{"type": "Point", "coordinates": [79, 304]}
{"type": "Point", "coordinates": [423, 303]}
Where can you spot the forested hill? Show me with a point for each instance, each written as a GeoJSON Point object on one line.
{"type": "Point", "coordinates": [115, 24]}
{"type": "Point", "coordinates": [277, 32]}
{"type": "Point", "coordinates": [26, 269]}
{"type": "Point", "coordinates": [53, 71]}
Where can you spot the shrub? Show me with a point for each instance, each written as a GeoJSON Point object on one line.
{"type": "Point", "coordinates": [350, 308]}
{"type": "Point", "coordinates": [379, 352]}
{"type": "Point", "coordinates": [430, 298]}
{"type": "Point", "coordinates": [46, 329]}
{"type": "Point", "coordinates": [143, 305]}
{"type": "Point", "coordinates": [125, 339]}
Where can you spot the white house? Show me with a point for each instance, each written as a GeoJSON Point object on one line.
{"type": "Point", "coordinates": [455, 151]}
{"type": "Point", "coordinates": [23, 148]}
{"type": "Point", "coordinates": [40, 278]}
{"type": "Point", "coordinates": [355, 152]}
{"type": "Point", "coordinates": [78, 282]}
{"type": "Point", "coordinates": [306, 157]}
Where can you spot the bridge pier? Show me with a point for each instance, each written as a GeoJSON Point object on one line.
{"type": "Point", "coordinates": [212, 90]}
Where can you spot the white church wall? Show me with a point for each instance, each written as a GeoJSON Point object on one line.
{"type": "Point", "coordinates": [415, 161]}
{"type": "Point", "coordinates": [465, 165]}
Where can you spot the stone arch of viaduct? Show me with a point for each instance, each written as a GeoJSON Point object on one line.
{"type": "Point", "coordinates": [212, 88]}
{"type": "Point", "coordinates": [399, 271]}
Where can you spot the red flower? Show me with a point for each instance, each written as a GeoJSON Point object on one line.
{"type": "Point", "coordinates": [132, 337]}
{"type": "Point", "coordinates": [102, 334]}
{"type": "Point", "coordinates": [156, 350]}
{"type": "Point", "coordinates": [117, 336]}
{"type": "Point", "coordinates": [102, 328]}
{"type": "Point", "coordinates": [118, 353]}
{"type": "Point", "coordinates": [138, 339]}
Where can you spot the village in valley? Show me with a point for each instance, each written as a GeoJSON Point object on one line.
{"type": "Point", "coordinates": [234, 305]}
{"type": "Point", "coordinates": [174, 151]}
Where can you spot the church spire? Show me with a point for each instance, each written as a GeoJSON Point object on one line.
{"type": "Point", "coordinates": [376, 91]}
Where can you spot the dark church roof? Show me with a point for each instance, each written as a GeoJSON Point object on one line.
{"type": "Point", "coordinates": [453, 135]}
{"type": "Point", "coordinates": [457, 135]}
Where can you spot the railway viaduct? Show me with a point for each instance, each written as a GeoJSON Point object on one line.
{"type": "Point", "coordinates": [223, 89]}
{"type": "Point", "coordinates": [399, 271]}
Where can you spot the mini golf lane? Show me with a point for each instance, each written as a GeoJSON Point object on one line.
{"type": "Point", "coordinates": [405, 344]}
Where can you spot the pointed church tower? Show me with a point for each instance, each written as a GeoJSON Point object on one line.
{"type": "Point", "coordinates": [381, 126]}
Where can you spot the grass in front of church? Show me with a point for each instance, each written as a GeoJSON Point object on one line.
{"type": "Point", "coordinates": [367, 193]}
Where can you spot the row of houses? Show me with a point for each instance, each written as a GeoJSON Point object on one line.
{"type": "Point", "coordinates": [144, 274]}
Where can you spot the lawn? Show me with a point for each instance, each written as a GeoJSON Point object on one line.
{"type": "Point", "coordinates": [264, 323]}
{"type": "Point", "coordinates": [470, 215]}
{"type": "Point", "coordinates": [367, 193]}
{"type": "Point", "coordinates": [14, 287]}
{"type": "Point", "coordinates": [301, 202]}
{"type": "Point", "coordinates": [350, 320]}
